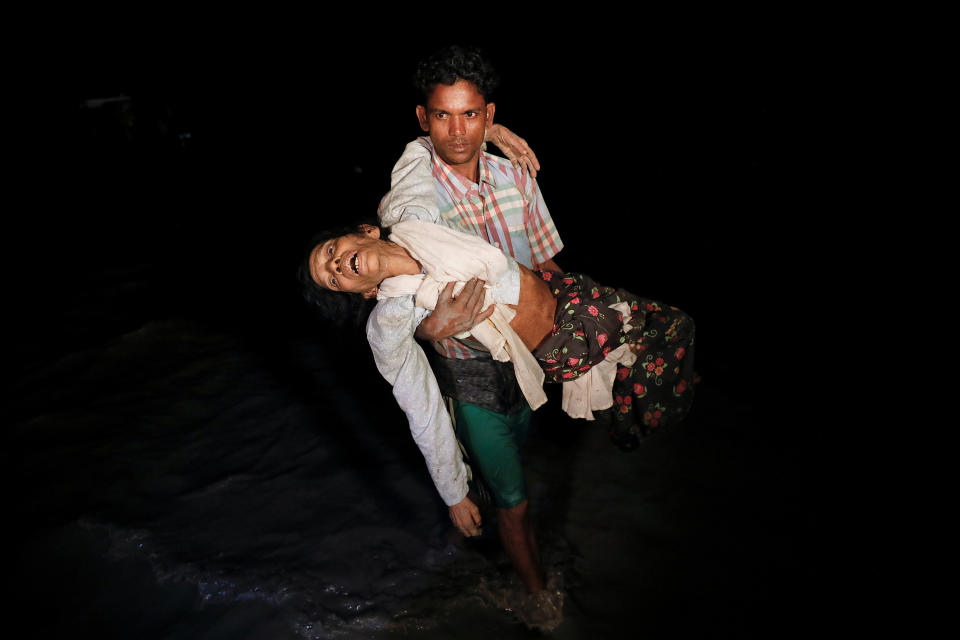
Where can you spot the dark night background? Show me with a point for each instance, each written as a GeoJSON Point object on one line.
{"type": "Point", "coordinates": [176, 215]}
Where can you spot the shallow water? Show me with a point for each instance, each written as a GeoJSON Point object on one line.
{"type": "Point", "coordinates": [193, 456]}
{"type": "Point", "coordinates": [187, 480]}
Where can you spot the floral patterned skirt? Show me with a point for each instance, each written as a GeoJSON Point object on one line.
{"type": "Point", "coordinates": [658, 389]}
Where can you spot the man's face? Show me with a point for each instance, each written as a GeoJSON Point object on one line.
{"type": "Point", "coordinates": [456, 117]}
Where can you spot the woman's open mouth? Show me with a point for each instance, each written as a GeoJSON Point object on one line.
{"type": "Point", "coordinates": [354, 263]}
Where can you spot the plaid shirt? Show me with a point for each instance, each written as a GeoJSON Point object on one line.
{"type": "Point", "coordinates": [505, 209]}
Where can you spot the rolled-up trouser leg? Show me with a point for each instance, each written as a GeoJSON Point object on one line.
{"type": "Point", "coordinates": [493, 442]}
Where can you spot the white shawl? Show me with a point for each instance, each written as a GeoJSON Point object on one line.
{"type": "Point", "coordinates": [448, 255]}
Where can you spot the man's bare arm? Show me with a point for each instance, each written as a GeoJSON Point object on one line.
{"type": "Point", "coordinates": [455, 315]}
{"type": "Point", "coordinates": [549, 264]}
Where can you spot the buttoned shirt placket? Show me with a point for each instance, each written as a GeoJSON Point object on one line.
{"type": "Point", "coordinates": [495, 213]}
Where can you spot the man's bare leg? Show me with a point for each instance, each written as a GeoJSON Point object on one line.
{"type": "Point", "coordinates": [516, 535]}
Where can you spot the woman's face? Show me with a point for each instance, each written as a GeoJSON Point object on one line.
{"type": "Point", "coordinates": [355, 263]}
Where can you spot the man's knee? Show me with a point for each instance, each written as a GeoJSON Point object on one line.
{"type": "Point", "coordinates": [493, 444]}
{"type": "Point", "coordinates": [514, 517]}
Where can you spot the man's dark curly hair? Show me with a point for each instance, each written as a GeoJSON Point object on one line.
{"type": "Point", "coordinates": [453, 63]}
{"type": "Point", "coordinates": [339, 307]}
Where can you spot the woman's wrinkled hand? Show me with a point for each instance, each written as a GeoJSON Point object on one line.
{"type": "Point", "coordinates": [514, 147]}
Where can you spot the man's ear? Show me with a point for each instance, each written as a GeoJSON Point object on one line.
{"type": "Point", "coordinates": [490, 109]}
{"type": "Point", "coordinates": [422, 117]}
{"type": "Point", "coordinates": [369, 230]}
{"type": "Point", "coordinates": [370, 293]}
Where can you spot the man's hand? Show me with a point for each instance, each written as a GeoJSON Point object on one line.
{"type": "Point", "coordinates": [466, 517]}
{"type": "Point", "coordinates": [455, 315]}
{"type": "Point", "coordinates": [514, 147]}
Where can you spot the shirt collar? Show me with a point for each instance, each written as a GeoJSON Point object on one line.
{"type": "Point", "coordinates": [460, 186]}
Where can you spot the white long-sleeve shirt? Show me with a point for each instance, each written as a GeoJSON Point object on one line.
{"type": "Point", "coordinates": [402, 362]}
{"type": "Point", "coordinates": [390, 328]}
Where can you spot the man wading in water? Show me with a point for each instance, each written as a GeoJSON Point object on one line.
{"type": "Point", "coordinates": [485, 195]}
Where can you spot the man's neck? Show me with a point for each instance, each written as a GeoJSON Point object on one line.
{"type": "Point", "coordinates": [469, 170]}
